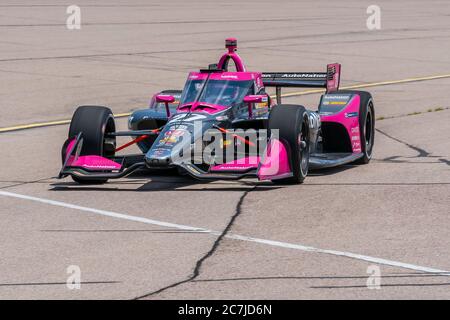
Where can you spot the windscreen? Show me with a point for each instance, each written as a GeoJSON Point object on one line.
{"type": "Point", "coordinates": [218, 92]}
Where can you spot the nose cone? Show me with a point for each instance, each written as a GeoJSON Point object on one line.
{"type": "Point", "coordinates": [158, 158]}
{"type": "Point", "coordinates": [169, 148]}
{"type": "Point", "coordinates": [175, 144]}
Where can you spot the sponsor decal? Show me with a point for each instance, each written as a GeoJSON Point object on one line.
{"type": "Point", "coordinates": [355, 130]}
{"type": "Point", "coordinates": [228, 76]}
{"type": "Point", "coordinates": [338, 103]}
{"type": "Point", "coordinates": [355, 138]}
{"type": "Point", "coordinates": [168, 140]}
{"type": "Point", "coordinates": [302, 75]}
{"type": "Point", "coordinates": [172, 136]}
{"type": "Point", "coordinates": [237, 167]}
{"type": "Point", "coordinates": [351, 114]}
{"type": "Point", "coordinates": [175, 133]}
{"type": "Point", "coordinates": [337, 97]}
{"type": "Point", "coordinates": [334, 103]}
{"type": "Point", "coordinates": [98, 166]}
{"type": "Point", "coordinates": [158, 152]}
{"type": "Point", "coordinates": [263, 104]}
{"type": "Point", "coordinates": [221, 118]}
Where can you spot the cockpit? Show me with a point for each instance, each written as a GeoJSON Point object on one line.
{"type": "Point", "coordinates": [223, 92]}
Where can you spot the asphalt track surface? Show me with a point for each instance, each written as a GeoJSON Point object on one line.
{"type": "Point", "coordinates": [170, 237]}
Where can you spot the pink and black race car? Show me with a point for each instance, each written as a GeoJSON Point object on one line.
{"type": "Point", "coordinates": [224, 125]}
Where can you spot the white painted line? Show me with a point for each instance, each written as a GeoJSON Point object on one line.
{"type": "Point", "coordinates": [230, 236]}
{"type": "Point", "coordinates": [341, 253]}
{"type": "Point", "coordinates": [103, 212]}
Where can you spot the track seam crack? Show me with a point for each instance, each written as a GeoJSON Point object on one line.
{"type": "Point", "coordinates": [210, 253]}
{"type": "Point", "coordinates": [18, 184]}
{"type": "Point", "coordinates": [422, 152]}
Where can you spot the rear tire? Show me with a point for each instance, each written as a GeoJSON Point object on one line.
{"type": "Point", "coordinates": [292, 121]}
{"type": "Point", "coordinates": [94, 122]}
{"type": "Point", "coordinates": [366, 124]}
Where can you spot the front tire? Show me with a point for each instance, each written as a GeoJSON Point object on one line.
{"type": "Point", "coordinates": [94, 122]}
{"type": "Point", "coordinates": [292, 121]}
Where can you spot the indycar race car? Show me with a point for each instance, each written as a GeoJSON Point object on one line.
{"type": "Point", "coordinates": [224, 125]}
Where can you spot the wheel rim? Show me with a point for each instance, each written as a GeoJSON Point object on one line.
{"type": "Point", "coordinates": [303, 141]}
{"type": "Point", "coordinates": [368, 130]}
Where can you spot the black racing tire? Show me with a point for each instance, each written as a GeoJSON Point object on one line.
{"type": "Point", "coordinates": [292, 121]}
{"type": "Point", "coordinates": [366, 124]}
{"type": "Point", "coordinates": [94, 122]}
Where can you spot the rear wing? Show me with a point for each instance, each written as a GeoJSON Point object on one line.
{"type": "Point", "coordinates": [328, 80]}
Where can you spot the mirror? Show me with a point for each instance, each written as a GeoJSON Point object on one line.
{"type": "Point", "coordinates": [166, 98]}
{"type": "Point", "coordinates": [251, 99]}
{"type": "Point", "coordinates": [254, 98]}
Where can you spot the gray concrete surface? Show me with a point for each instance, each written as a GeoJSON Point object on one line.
{"type": "Point", "coordinates": [395, 208]}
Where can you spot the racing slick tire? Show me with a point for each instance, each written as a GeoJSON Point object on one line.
{"type": "Point", "coordinates": [366, 124]}
{"type": "Point", "coordinates": [292, 121]}
{"type": "Point", "coordinates": [94, 122]}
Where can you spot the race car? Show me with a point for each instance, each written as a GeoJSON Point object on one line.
{"type": "Point", "coordinates": [224, 125]}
